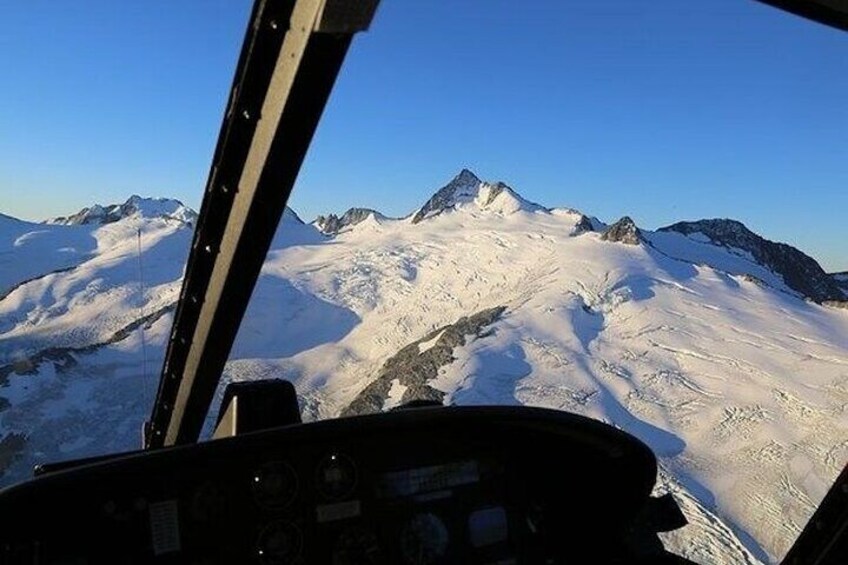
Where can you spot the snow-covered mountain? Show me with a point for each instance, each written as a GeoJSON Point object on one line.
{"type": "Point", "coordinates": [799, 271]}
{"type": "Point", "coordinates": [693, 340]}
{"type": "Point", "coordinates": [134, 206]}
{"type": "Point", "coordinates": [466, 190]}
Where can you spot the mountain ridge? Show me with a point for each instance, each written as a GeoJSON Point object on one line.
{"type": "Point", "coordinates": [800, 271]}
{"type": "Point", "coordinates": [97, 214]}
{"type": "Point", "coordinates": [332, 224]}
{"type": "Point", "coordinates": [673, 340]}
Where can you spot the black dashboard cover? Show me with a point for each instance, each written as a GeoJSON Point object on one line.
{"type": "Point", "coordinates": [564, 485]}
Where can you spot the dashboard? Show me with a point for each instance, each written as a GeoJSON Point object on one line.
{"type": "Point", "coordinates": [488, 485]}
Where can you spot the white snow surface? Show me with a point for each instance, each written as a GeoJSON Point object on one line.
{"type": "Point", "coordinates": [430, 343]}
{"type": "Point", "coordinates": [738, 385]}
{"type": "Point", "coordinates": [28, 250]}
{"type": "Point", "coordinates": [395, 395]}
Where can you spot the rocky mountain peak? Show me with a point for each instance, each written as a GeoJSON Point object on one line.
{"type": "Point", "coordinates": [332, 224]}
{"type": "Point", "coordinates": [723, 231]}
{"type": "Point", "coordinates": [463, 187]}
{"type": "Point", "coordinates": [800, 272]}
{"type": "Point", "coordinates": [584, 225]}
{"type": "Point", "coordinates": [465, 176]}
{"type": "Point", "coordinates": [623, 231]}
{"type": "Point", "coordinates": [467, 188]}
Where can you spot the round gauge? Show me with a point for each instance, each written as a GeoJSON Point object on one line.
{"type": "Point", "coordinates": [274, 484]}
{"type": "Point", "coordinates": [424, 540]}
{"type": "Point", "coordinates": [336, 476]}
{"type": "Point", "coordinates": [279, 543]}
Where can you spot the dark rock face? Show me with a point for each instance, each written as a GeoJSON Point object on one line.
{"type": "Point", "coordinates": [94, 215]}
{"type": "Point", "coordinates": [414, 368]}
{"type": "Point", "coordinates": [800, 272]}
{"type": "Point", "coordinates": [332, 224]}
{"type": "Point", "coordinates": [584, 225]}
{"type": "Point", "coordinates": [445, 198]}
{"type": "Point", "coordinates": [623, 231]}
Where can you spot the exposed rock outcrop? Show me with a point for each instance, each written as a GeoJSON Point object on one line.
{"type": "Point", "coordinates": [623, 231]}
{"type": "Point", "coordinates": [332, 224]}
{"type": "Point", "coordinates": [463, 184]}
{"type": "Point", "coordinates": [800, 272]}
{"type": "Point", "coordinates": [413, 367]}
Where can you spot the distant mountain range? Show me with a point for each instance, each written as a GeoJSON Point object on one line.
{"type": "Point", "coordinates": [135, 205]}
{"type": "Point", "coordinates": [723, 351]}
{"type": "Point", "coordinates": [799, 271]}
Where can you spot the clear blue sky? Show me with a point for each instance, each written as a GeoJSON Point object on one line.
{"type": "Point", "coordinates": [662, 110]}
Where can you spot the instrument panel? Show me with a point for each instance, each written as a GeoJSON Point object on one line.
{"type": "Point", "coordinates": [422, 486]}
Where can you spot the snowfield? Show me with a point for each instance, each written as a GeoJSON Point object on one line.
{"type": "Point", "coordinates": [738, 384]}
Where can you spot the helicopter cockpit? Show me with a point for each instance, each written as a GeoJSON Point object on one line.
{"type": "Point", "coordinates": [419, 484]}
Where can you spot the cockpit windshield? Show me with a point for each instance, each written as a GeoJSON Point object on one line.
{"type": "Point", "coordinates": [628, 211]}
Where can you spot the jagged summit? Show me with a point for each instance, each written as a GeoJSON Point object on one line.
{"type": "Point", "coordinates": [462, 187]}
{"type": "Point", "coordinates": [466, 188]}
{"type": "Point", "coordinates": [623, 231]}
{"type": "Point", "coordinates": [466, 176]}
{"type": "Point", "coordinates": [800, 272]}
{"type": "Point", "coordinates": [135, 205]}
{"type": "Point", "coordinates": [332, 224]}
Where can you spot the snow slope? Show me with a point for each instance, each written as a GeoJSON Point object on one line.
{"type": "Point", "coordinates": [738, 384]}
{"type": "Point", "coordinates": [75, 374]}
{"type": "Point", "coordinates": [28, 250]}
